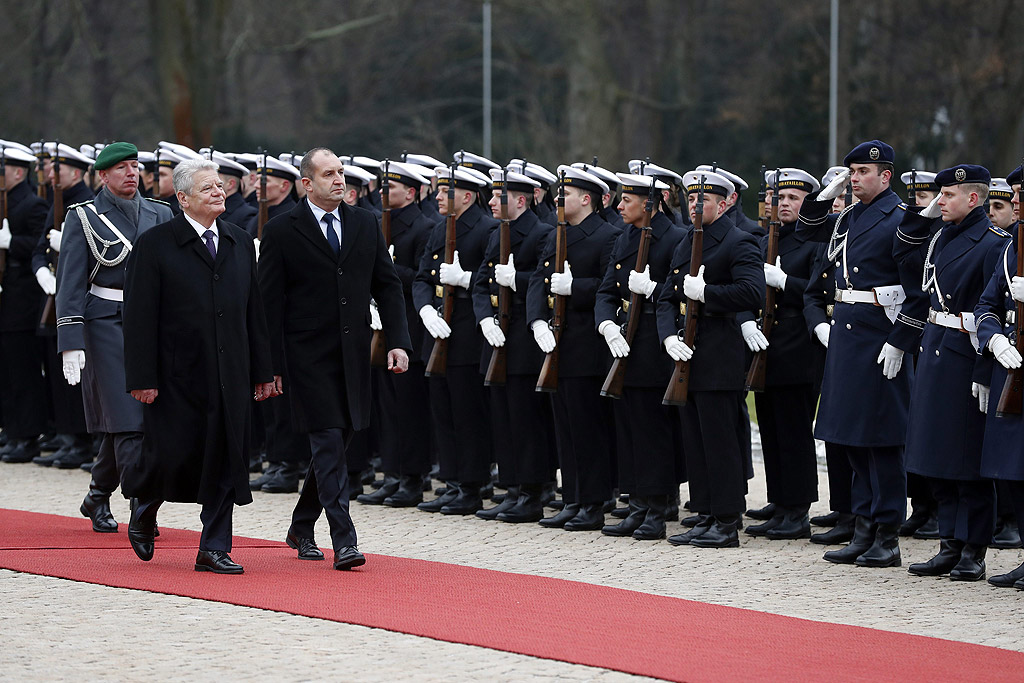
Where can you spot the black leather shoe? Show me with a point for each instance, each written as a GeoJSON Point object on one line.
{"type": "Point", "coordinates": [527, 507]}
{"type": "Point", "coordinates": [451, 492]}
{"type": "Point", "coordinates": [620, 513]}
{"type": "Point", "coordinates": [765, 513]}
{"type": "Point", "coordinates": [387, 488]}
{"type": "Point", "coordinates": [509, 501]}
{"type": "Point", "coordinates": [863, 537]}
{"type": "Point", "coordinates": [284, 480]}
{"type": "Point", "coordinates": [721, 534]}
{"type": "Point", "coordinates": [52, 442]}
{"type": "Point", "coordinates": [831, 519]}
{"type": "Point", "coordinates": [841, 533]}
{"type": "Point", "coordinates": [691, 521]}
{"type": "Point", "coordinates": [918, 517]}
{"type": "Point", "coordinates": [467, 501]}
{"type": "Point", "coordinates": [96, 507]}
{"type": "Point", "coordinates": [549, 494]}
{"type": "Point", "coordinates": [943, 562]}
{"type": "Point", "coordinates": [762, 528]}
{"type": "Point", "coordinates": [698, 530]}
{"type": "Point", "coordinates": [47, 460]}
{"type": "Point", "coordinates": [929, 530]}
{"type": "Point", "coordinates": [971, 566]}
{"type": "Point", "coordinates": [21, 451]}
{"type": "Point", "coordinates": [140, 530]}
{"type": "Point", "coordinates": [348, 557]}
{"type": "Point", "coordinates": [409, 493]}
{"type": "Point", "coordinates": [1006, 536]}
{"type": "Point", "coordinates": [653, 527]}
{"type": "Point", "coordinates": [637, 514]}
{"type": "Point", "coordinates": [73, 458]}
{"type": "Point", "coordinates": [885, 551]}
{"type": "Point", "coordinates": [306, 546]}
{"type": "Point", "coordinates": [1009, 579]}
{"type": "Point", "coordinates": [216, 561]}
{"type": "Point", "coordinates": [560, 519]}
{"type": "Point", "coordinates": [268, 475]}
{"type": "Point", "coordinates": [589, 518]}
{"type": "Point", "coordinates": [794, 525]}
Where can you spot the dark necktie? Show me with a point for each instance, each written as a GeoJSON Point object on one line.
{"type": "Point", "coordinates": [332, 237]}
{"type": "Point", "coordinates": [208, 237]}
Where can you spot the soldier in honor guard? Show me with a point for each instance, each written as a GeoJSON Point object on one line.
{"type": "Point", "coordinates": [794, 363]}
{"type": "Point", "coordinates": [734, 201]}
{"type": "Point", "coordinates": [584, 426]}
{"type": "Point", "coordinates": [543, 203]}
{"type": "Point", "coordinates": [148, 174]}
{"type": "Point", "coordinates": [610, 199]}
{"type": "Point", "coordinates": [531, 439]}
{"type": "Point", "coordinates": [357, 187]}
{"type": "Point", "coordinates": [458, 402]}
{"type": "Point", "coordinates": [281, 179]}
{"type": "Point", "coordinates": [647, 433]}
{"type": "Point", "coordinates": [168, 156]}
{"type": "Point", "coordinates": [865, 393]}
{"type": "Point", "coordinates": [671, 198]}
{"type": "Point", "coordinates": [730, 281]}
{"type": "Point", "coordinates": [368, 197]}
{"type": "Point", "coordinates": [24, 388]}
{"type": "Point", "coordinates": [946, 426]}
{"type": "Point", "coordinates": [427, 200]}
{"type": "Point", "coordinates": [1000, 204]}
{"type": "Point", "coordinates": [97, 238]}
{"type": "Point", "coordinates": [236, 210]}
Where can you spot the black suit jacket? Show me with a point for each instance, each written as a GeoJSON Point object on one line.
{"type": "Point", "coordinates": [318, 312]}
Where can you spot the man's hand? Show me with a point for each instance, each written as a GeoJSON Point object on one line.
{"type": "Point", "coordinates": [561, 283]}
{"type": "Point", "coordinates": [505, 276]}
{"type": "Point", "coordinates": [756, 341]}
{"type": "Point", "coordinates": [435, 325]}
{"type": "Point", "coordinates": [453, 274]}
{"type": "Point", "coordinates": [1017, 288]}
{"type": "Point", "coordinates": [375, 323]}
{"type": "Point", "coordinates": [821, 331]}
{"type": "Point", "coordinates": [5, 235]}
{"type": "Point", "coordinates": [836, 187]}
{"type": "Point", "coordinates": [47, 281]}
{"type": "Point", "coordinates": [775, 276]}
{"type": "Point", "coordinates": [54, 237]}
{"type": "Point", "coordinates": [263, 391]}
{"type": "Point", "coordinates": [891, 360]}
{"type": "Point", "coordinates": [613, 337]}
{"type": "Point", "coordinates": [933, 210]}
{"type": "Point", "coordinates": [677, 349]}
{"type": "Point", "coordinates": [1007, 355]}
{"type": "Point", "coordinates": [278, 386]}
{"type": "Point", "coordinates": [144, 395]}
{"type": "Point", "coordinates": [693, 285]}
{"type": "Point", "coordinates": [543, 335]}
{"type": "Point", "coordinates": [492, 332]}
{"type": "Point", "coordinates": [73, 362]}
{"type": "Point", "coordinates": [398, 361]}
{"type": "Point", "coordinates": [641, 283]}
{"type": "Point", "coordinates": [980, 391]}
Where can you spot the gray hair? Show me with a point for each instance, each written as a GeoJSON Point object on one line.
{"type": "Point", "coordinates": [186, 170]}
{"type": "Point", "coordinates": [306, 166]}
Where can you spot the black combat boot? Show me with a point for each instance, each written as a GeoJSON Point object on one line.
{"type": "Point", "coordinates": [508, 502]}
{"type": "Point", "coordinates": [387, 488]}
{"type": "Point", "coordinates": [527, 508]}
{"type": "Point", "coordinates": [637, 513]}
{"type": "Point", "coordinates": [943, 562]}
{"type": "Point", "coordinates": [885, 551]}
{"type": "Point", "coordinates": [96, 507]}
{"type": "Point", "coordinates": [794, 525]}
{"type": "Point", "coordinates": [409, 493]}
{"type": "Point", "coordinates": [863, 538]}
{"type": "Point", "coordinates": [971, 566]}
{"type": "Point", "coordinates": [653, 527]}
{"type": "Point", "coordinates": [841, 533]}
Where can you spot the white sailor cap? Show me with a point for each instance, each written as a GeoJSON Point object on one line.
{"type": "Point", "coordinates": [183, 152]}
{"type": "Point", "coordinates": [465, 178]}
{"type": "Point", "coordinates": [517, 182]}
{"type": "Point", "coordinates": [147, 160]}
{"type": "Point", "coordinates": [796, 179]}
{"type": "Point", "coordinates": [545, 177]}
{"type": "Point", "coordinates": [356, 174]}
{"type": "Point", "coordinates": [609, 178]}
{"type": "Point", "coordinates": [250, 161]}
{"type": "Point", "coordinates": [37, 149]}
{"type": "Point", "coordinates": [291, 158]}
{"type": "Point", "coordinates": [918, 181]}
{"type": "Point", "coordinates": [424, 160]}
{"type": "Point", "coordinates": [474, 161]}
{"type": "Point", "coordinates": [425, 171]}
{"type": "Point", "coordinates": [639, 184]}
{"type": "Point", "coordinates": [17, 156]}
{"type": "Point", "coordinates": [588, 181]}
{"type": "Point", "coordinates": [360, 161]}
{"type": "Point", "coordinates": [829, 176]}
{"type": "Point", "coordinates": [66, 154]}
{"type": "Point", "coordinates": [10, 144]}
{"type": "Point", "coordinates": [276, 167]}
{"type": "Point", "coordinates": [167, 158]}
{"type": "Point", "coordinates": [739, 183]}
{"type": "Point", "coordinates": [998, 188]}
{"type": "Point", "coordinates": [228, 165]}
{"type": "Point", "coordinates": [406, 174]}
{"type": "Point", "coordinates": [90, 150]}
{"type": "Point", "coordinates": [661, 173]}
{"type": "Point", "coordinates": [710, 181]}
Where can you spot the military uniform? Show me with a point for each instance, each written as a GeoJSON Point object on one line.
{"type": "Point", "coordinates": [237, 211]}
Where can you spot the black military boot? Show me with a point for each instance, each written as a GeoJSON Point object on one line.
{"type": "Point", "coordinates": [387, 488]}
{"type": "Point", "coordinates": [930, 529]}
{"type": "Point", "coordinates": [794, 525]}
{"type": "Point", "coordinates": [918, 518]}
{"type": "Point", "coordinates": [885, 551]}
{"type": "Point", "coordinates": [73, 457]}
{"type": "Point", "coordinates": [549, 494]}
{"type": "Point", "coordinates": [466, 502]}
{"type": "Point", "coordinates": [1007, 535]}
{"type": "Point", "coordinates": [653, 527]}
{"type": "Point", "coordinates": [831, 519]}
{"type": "Point", "coordinates": [971, 566]}
{"type": "Point", "coordinates": [21, 450]}
{"type": "Point", "coordinates": [704, 523]}
{"type": "Point", "coordinates": [527, 508]}
{"type": "Point", "coordinates": [637, 513]}
{"type": "Point", "coordinates": [764, 514]}
{"type": "Point", "coordinates": [451, 492]}
{"type": "Point", "coordinates": [841, 533]}
{"type": "Point", "coordinates": [862, 539]}
{"type": "Point", "coordinates": [508, 502]}
{"type": "Point", "coordinates": [558, 521]}
{"type": "Point", "coordinates": [589, 518]}
{"type": "Point", "coordinates": [271, 472]}
{"type": "Point", "coordinates": [96, 507]}
{"type": "Point", "coordinates": [408, 494]}
{"type": "Point", "coordinates": [773, 521]}
{"type": "Point", "coordinates": [721, 534]}
{"type": "Point", "coordinates": [285, 479]}
{"type": "Point", "coordinates": [943, 562]}
{"type": "Point", "coordinates": [1009, 579]}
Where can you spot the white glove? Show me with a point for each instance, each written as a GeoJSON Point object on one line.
{"type": "Point", "coordinates": [543, 335]}
{"type": "Point", "coordinates": [756, 341]}
{"type": "Point", "coordinates": [1017, 288]}
{"type": "Point", "coordinates": [821, 331]}
{"type": "Point", "coordinates": [453, 274]}
{"type": "Point", "coordinates": [675, 348]}
{"type": "Point", "coordinates": [641, 283]}
{"type": "Point", "coordinates": [891, 360]}
{"type": "Point", "coordinates": [492, 332]}
{"type": "Point", "coordinates": [435, 324]}
{"type": "Point", "coordinates": [375, 323]}
{"type": "Point", "coordinates": [980, 391]}
{"type": "Point", "coordinates": [836, 187]}
{"type": "Point", "coordinates": [54, 237]}
{"type": "Point", "coordinates": [932, 210]}
{"type": "Point", "coordinates": [1007, 355]}
{"type": "Point", "coordinates": [256, 246]}
{"type": "Point", "coordinates": [505, 275]}
{"type": "Point", "coordinates": [693, 285]}
{"type": "Point", "coordinates": [561, 283]}
{"type": "Point", "coordinates": [5, 235]}
{"type": "Point", "coordinates": [47, 282]}
{"type": "Point", "coordinates": [74, 363]}
{"type": "Point", "coordinates": [775, 276]}
{"type": "Point", "coordinates": [613, 337]}
{"type": "Point", "coordinates": [391, 252]}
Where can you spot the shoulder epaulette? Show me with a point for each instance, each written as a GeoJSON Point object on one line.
{"type": "Point", "coordinates": [902, 205]}
{"type": "Point", "coordinates": [158, 201]}
{"type": "Point", "coordinates": [999, 231]}
{"type": "Point", "coordinates": [88, 201]}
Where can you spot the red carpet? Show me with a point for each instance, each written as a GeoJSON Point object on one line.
{"type": "Point", "coordinates": [605, 627]}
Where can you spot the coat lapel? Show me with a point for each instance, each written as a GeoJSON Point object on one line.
{"type": "Point", "coordinates": [306, 225]}
{"type": "Point", "coordinates": [350, 231]}
{"type": "Point", "coordinates": [185, 236]}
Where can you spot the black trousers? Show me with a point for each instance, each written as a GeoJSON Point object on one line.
{"type": "Point", "coordinates": [68, 409]}
{"type": "Point", "coordinates": [583, 424]}
{"type": "Point", "coordinates": [119, 461]}
{"type": "Point", "coordinates": [879, 489]}
{"type": "Point", "coordinates": [840, 478]}
{"type": "Point", "coordinates": [501, 430]}
{"type": "Point", "coordinates": [215, 515]}
{"type": "Point", "coordinates": [25, 407]}
{"type": "Point", "coordinates": [715, 456]}
{"type": "Point", "coordinates": [459, 407]}
{"type": "Point", "coordinates": [647, 437]}
{"type": "Point", "coordinates": [284, 444]}
{"type": "Point", "coordinates": [966, 509]}
{"type": "Point", "coordinates": [784, 416]}
{"type": "Point", "coordinates": [405, 436]}
{"type": "Point", "coordinates": [326, 489]}
{"type": "Point", "coordinates": [531, 436]}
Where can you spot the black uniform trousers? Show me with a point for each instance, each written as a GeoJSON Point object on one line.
{"type": "Point", "coordinates": [715, 454]}
{"type": "Point", "coordinates": [118, 460]}
{"type": "Point", "coordinates": [501, 429]}
{"type": "Point", "coordinates": [326, 488]}
{"type": "Point", "coordinates": [879, 489]}
{"type": "Point", "coordinates": [459, 406]}
{"type": "Point", "coordinates": [531, 435]}
{"type": "Point", "coordinates": [68, 409]}
{"type": "Point", "coordinates": [405, 423]}
{"type": "Point", "coordinates": [284, 443]}
{"type": "Point", "coordinates": [583, 428]}
{"type": "Point", "coordinates": [840, 478]}
{"type": "Point", "coordinates": [24, 393]}
{"type": "Point", "coordinates": [784, 416]}
{"type": "Point", "coordinates": [966, 509]}
{"type": "Point", "coordinates": [647, 438]}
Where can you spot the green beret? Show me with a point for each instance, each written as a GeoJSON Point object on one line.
{"type": "Point", "coordinates": [115, 153]}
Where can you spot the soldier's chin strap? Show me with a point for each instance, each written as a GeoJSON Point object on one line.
{"type": "Point", "coordinates": [91, 237]}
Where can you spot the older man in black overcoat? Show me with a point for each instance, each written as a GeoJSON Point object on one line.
{"type": "Point", "coordinates": [196, 354]}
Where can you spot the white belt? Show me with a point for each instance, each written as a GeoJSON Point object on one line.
{"type": "Point", "coordinates": [960, 321]}
{"type": "Point", "coordinates": [107, 293]}
{"type": "Point", "coordinates": [891, 295]}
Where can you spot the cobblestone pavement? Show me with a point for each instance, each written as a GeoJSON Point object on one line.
{"type": "Point", "coordinates": [63, 629]}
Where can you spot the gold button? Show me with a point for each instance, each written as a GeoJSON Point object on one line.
{"type": "Point", "coordinates": [490, 279]}
{"type": "Point", "coordinates": [435, 257]}
{"type": "Point", "coordinates": [677, 288]}
{"type": "Point", "coordinates": [490, 263]}
{"type": "Point", "coordinates": [433, 272]}
{"type": "Point", "coordinates": [824, 276]}
{"type": "Point", "coordinates": [676, 271]}
{"type": "Point", "coordinates": [546, 280]}
{"type": "Point", "coordinates": [618, 266]}
{"type": "Point", "coordinates": [545, 264]}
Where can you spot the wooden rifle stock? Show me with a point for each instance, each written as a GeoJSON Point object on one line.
{"type": "Point", "coordinates": [1010, 402]}
{"type": "Point", "coordinates": [49, 316]}
{"type": "Point", "coordinates": [678, 389]}
{"type": "Point", "coordinates": [264, 206]}
{"type": "Point", "coordinates": [40, 171]}
{"type": "Point", "coordinates": [547, 381]}
{"type": "Point", "coordinates": [758, 365]}
{"type": "Point", "coordinates": [497, 367]}
{"type": "Point", "coordinates": [437, 364]}
{"type": "Point", "coordinates": [378, 344]}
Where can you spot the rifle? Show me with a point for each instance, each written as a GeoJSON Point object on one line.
{"type": "Point", "coordinates": [762, 194]}
{"type": "Point", "coordinates": [548, 378]}
{"type": "Point", "coordinates": [849, 195]}
{"type": "Point", "coordinates": [49, 316]}
{"type": "Point", "coordinates": [264, 206]}
{"type": "Point", "coordinates": [379, 345]}
{"type": "Point", "coordinates": [437, 364]}
{"type": "Point", "coordinates": [756, 373]}
{"type": "Point", "coordinates": [616, 378]}
{"type": "Point", "coordinates": [911, 194]}
{"type": "Point", "coordinates": [3, 204]}
{"type": "Point", "coordinates": [1013, 389]}
{"type": "Point", "coordinates": [497, 368]}
{"type": "Point", "coordinates": [40, 171]}
{"type": "Point", "coordinates": [679, 386]}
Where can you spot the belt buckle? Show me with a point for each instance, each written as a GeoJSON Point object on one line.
{"type": "Point", "coordinates": [439, 291]}
{"type": "Point", "coordinates": [551, 302]}
{"type": "Point", "coordinates": [838, 295]}
{"type": "Point", "coordinates": [625, 306]}
{"type": "Point", "coordinates": [829, 309]}
{"type": "Point", "coordinates": [494, 300]}
{"type": "Point", "coordinates": [1011, 317]}
{"type": "Point", "coordinates": [682, 308]}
